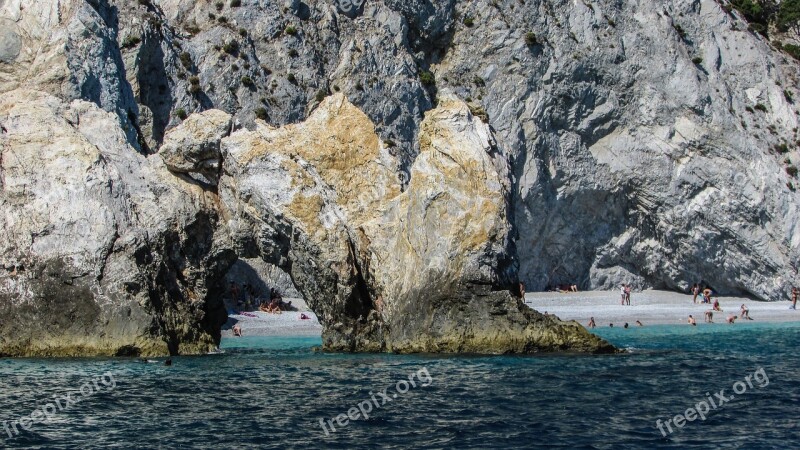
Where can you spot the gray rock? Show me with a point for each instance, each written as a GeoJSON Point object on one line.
{"type": "Point", "coordinates": [107, 253]}
{"type": "Point", "coordinates": [10, 42]}
{"type": "Point", "coordinates": [428, 270]}
{"type": "Point", "coordinates": [193, 146]}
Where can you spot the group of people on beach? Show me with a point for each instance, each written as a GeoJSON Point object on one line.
{"type": "Point", "coordinates": [625, 293]}
{"type": "Point", "coordinates": [247, 298]}
{"type": "Point", "coordinates": [744, 314]}
{"type": "Point", "coordinates": [706, 295]}
{"type": "Point", "coordinates": [562, 288]}
{"type": "Point", "coordinates": [696, 291]}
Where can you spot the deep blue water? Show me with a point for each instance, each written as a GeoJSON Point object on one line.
{"type": "Point", "coordinates": [272, 393]}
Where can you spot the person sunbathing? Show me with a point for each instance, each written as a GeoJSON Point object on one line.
{"type": "Point", "coordinates": [275, 307]}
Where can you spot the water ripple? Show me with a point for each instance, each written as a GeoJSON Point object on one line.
{"type": "Point", "coordinates": [272, 393]}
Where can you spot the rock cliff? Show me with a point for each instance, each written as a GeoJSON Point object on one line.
{"type": "Point", "coordinates": [405, 162]}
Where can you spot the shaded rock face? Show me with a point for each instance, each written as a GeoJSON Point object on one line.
{"type": "Point", "coordinates": [647, 142]}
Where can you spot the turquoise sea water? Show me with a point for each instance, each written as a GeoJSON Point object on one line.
{"type": "Point", "coordinates": [272, 393]}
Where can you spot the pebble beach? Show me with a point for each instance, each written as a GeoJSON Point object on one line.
{"type": "Point", "coordinates": [651, 308]}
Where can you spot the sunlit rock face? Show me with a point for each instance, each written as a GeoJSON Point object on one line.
{"type": "Point", "coordinates": [425, 270]}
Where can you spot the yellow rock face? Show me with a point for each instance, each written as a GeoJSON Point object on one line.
{"type": "Point", "coordinates": [425, 270]}
{"type": "Point", "coordinates": [453, 211]}
{"type": "Point", "coordinates": [335, 154]}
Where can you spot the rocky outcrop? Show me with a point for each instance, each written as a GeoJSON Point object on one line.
{"type": "Point", "coordinates": [440, 258]}
{"type": "Point", "coordinates": [106, 252]}
{"type": "Point", "coordinates": [648, 142]}
{"type": "Point", "coordinates": [425, 270]}
{"type": "Point", "coordinates": [192, 148]}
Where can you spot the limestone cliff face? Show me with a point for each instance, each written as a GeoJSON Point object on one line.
{"type": "Point", "coordinates": [146, 145]}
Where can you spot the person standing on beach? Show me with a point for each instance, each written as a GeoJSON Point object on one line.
{"type": "Point", "coordinates": [591, 323]}
{"type": "Point", "coordinates": [794, 298]}
{"type": "Point", "coordinates": [622, 294]}
{"type": "Point", "coordinates": [628, 295]}
{"type": "Point", "coordinates": [522, 289]}
{"type": "Point", "coordinates": [695, 292]}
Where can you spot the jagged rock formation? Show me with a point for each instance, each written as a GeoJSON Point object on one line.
{"type": "Point", "coordinates": [647, 142]}
{"type": "Point", "coordinates": [424, 270]}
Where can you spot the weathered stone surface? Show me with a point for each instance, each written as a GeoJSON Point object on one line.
{"type": "Point", "coordinates": [69, 49]}
{"type": "Point", "coordinates": [294, 197]}
{"type": "Point", "coordinates": [105, 252]}
{"type": "Point", "coordinates": [626, 125]}
{"type": "Point", "coordinates": [440, 258]}
{"type": "Point", "coordinates": [648, 142]}
{"type": "Point", "coordinates": [426, 270]}
{"type": "Point", "coordinates": [193, 146]}
{"type": "Point", "coordinates": [10, 42]}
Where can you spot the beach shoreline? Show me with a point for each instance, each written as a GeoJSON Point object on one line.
{"type": "Point", "coordinates": [286, 324]}
{"type": "Point", "coordinates": [651, 308]}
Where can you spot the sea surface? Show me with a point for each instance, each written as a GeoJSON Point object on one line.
{"type": "Point", "coordinates": [276, 392]}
